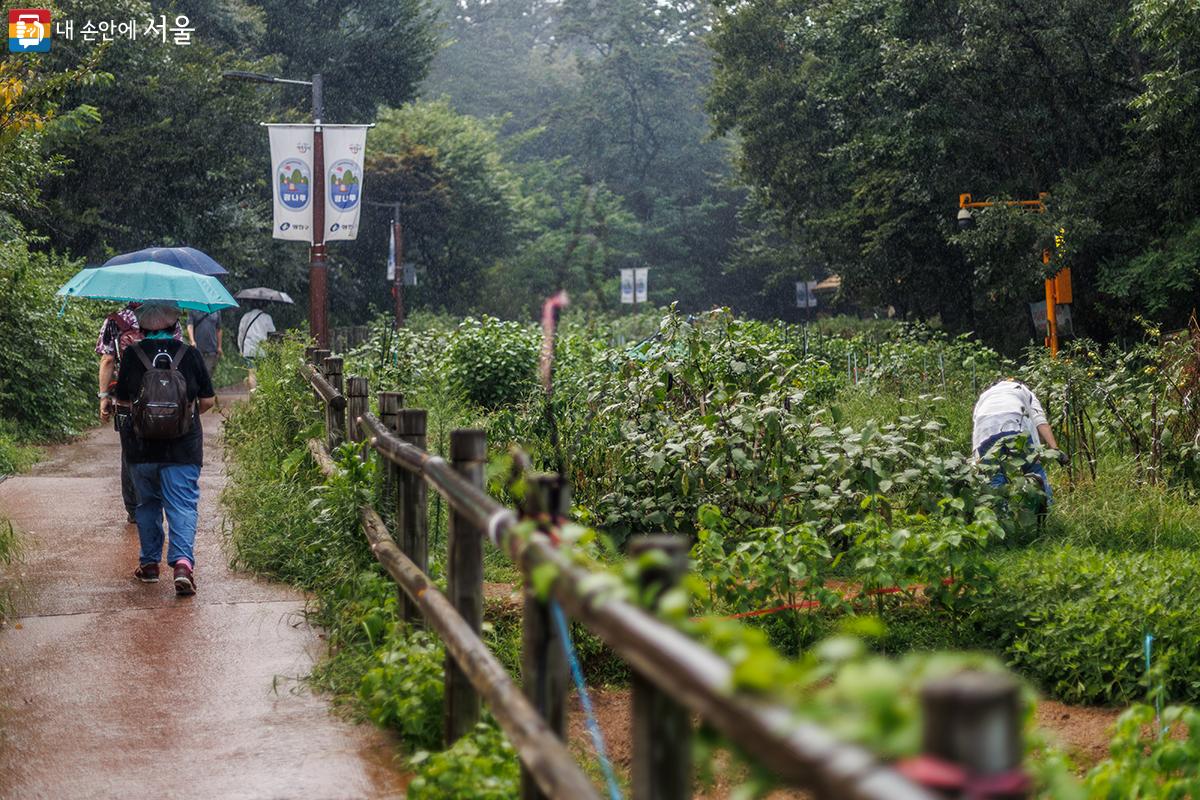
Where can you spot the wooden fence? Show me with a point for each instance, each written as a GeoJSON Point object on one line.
{"type": "Point", "coordinates": [343, 340]}
{"type": "Point", "coordinates": [972, 721]}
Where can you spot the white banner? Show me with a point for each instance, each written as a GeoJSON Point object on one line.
{"type": "Point", "coordinates": [291, 180]}
{"type": "Point", "coordinates": [345, 146]}
{"type": "Point", "coordinates": [391, 262]}
{"type": "Point", "coordinates": [805, 297]}
{"type": "Point", "coordinates": [641, 277]}
{"type": "Point", "coordinates": [626, 286]}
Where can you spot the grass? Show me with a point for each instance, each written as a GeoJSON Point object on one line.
{"type": "Point", "coordinates": [16, 455]}
{"type": "Point", "coordinates": [10, 549]}
{"type": "Point", "coordinates": [1117, 513]}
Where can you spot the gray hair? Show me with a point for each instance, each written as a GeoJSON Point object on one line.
{"type": "Point", "coordinates": [157, 315]}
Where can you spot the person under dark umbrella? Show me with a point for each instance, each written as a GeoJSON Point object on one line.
{"type": "Point", "coordinates": [117, 332]}
{"type": "Point", "coordinates": [256, 324]}
{"type": "Point", "coordinates": [165, 469]}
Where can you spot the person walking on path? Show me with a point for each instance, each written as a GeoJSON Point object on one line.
{"type": "Point", "coordinates": [204, 332]}
{"type": "Point", "coordinates": [165, 470]}
{"type": "Point", "coordinates": [252, 332]}
{"type": "Point", "coordinates": [118, 331]}
{"type": "Point", "coordinates": [1005, 411]}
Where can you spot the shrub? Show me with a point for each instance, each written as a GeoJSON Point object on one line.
{"type": "Point", "coordinates": [47, 361]}
{"type": "Point", "coordinates": [492, 363]}
{"type": "Point", "coordinates": [404, 689]}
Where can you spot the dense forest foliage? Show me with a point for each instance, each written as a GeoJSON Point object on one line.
{"type": "Point", "coordinates": [732, 148]}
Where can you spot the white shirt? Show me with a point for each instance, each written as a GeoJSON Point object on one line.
{"type": "Point", "coordinates": [252, 332]}
{"type": "Point", "coordinates": [1007, 407]}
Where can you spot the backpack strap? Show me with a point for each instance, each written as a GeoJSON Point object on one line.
{"type": "Point", "coordinates": [151, 363]}
{"type": "Point", "coordinates": [141, 354]}
{"type": "Point", "coordinates": [245, 333]}
{"type": "Point", "coordinates": [177, 359]}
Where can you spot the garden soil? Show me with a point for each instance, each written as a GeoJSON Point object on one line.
{"type": "Point", "coordinates": [110, 688]}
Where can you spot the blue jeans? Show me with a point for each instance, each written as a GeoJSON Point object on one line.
{"type": "Point", "coordinates": [1029, 468]}
{"type": "Point", "coordinates": [174, 488]}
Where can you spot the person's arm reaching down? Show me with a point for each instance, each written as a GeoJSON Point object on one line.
{"type": "Point", "coordinates": [1047, 435]}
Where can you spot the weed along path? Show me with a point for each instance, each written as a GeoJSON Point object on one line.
{"type": "Point", "coordinates": [114, 689]}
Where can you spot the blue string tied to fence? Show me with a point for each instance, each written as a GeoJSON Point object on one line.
{"type": "Point", "coordinates": [564, 633]}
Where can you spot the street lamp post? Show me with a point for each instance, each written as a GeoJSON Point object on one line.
{"type": "Point", "coordinates": [1058, 285]}
{"type": "Point", "coordinates": [398, 248]}
{"type": "Point", "coordinates": [318, 281]}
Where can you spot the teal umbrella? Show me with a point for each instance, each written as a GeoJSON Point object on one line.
{"type": "Point", "coordinates": [148, 280]}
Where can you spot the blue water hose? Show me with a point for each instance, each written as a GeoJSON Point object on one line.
{"type": "Point", "coordinates": [1158, 697]}
{"type": "Point", "coordinates": [564, 633]}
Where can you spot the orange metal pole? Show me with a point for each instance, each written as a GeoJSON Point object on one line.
{"type": "Point", "coordinates": [1051, 310]}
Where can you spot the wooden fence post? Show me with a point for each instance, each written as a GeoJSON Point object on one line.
{"type": "Point", "coordinates": [661, 729]}
{"type": "Point", "coordinates": [390, 404]}
{"type": "Point", "coordinates": [543, 662]}
{"type": "Point", "coordinates": [412, 511]}
{"type": "Point", "coordinates": [464, 581]}
{"type": "Point", "coordinates": [335, 418]}
{"type": "Point", "coordinates": [316, 356]}
{"type": "Point", "coordinates": [973, 719]}
{"type": "Point", "coordinates": [357, 403]}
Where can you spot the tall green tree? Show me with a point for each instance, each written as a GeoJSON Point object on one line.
{"type": "Point", "coordinates": [369, 52]}
{"type": "Point", "coordinates": [861, 121]}
{"type": "Point", "coordinates": [461, 206]}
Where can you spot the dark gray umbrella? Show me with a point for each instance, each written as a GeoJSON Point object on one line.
{"type": "Point", "coordinates": [265, 294]}
{"type": "Point", "coordinates": [188, 258]}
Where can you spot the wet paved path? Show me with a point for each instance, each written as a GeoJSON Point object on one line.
{"type": "Point", "coordinates": [110, 688]}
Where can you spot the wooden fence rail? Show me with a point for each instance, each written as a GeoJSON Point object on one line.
{"type": "Point", "coordinates": [675, 676]}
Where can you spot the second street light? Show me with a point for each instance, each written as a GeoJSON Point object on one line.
{"type": "Point", "coordinates": [318, 276]}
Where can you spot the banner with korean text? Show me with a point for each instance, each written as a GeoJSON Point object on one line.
{"type": "Point", "coordinates": [292, 181]}
{"type": "Point", "coordinates": [345, 146]}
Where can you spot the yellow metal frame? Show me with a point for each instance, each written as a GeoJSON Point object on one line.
{"type": "Point", "coordinates": [1058, 285]}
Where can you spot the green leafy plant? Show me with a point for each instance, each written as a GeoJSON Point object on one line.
{"type": "Point", "coordinates": [492, 363]}
{"type": "Point", "coordinates": [482, 764]}
{"type": "Point", "coordinates": [1165, 763]}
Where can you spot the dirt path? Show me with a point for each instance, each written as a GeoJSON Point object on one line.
{"type": "Point", "coordinates": [112, 688]}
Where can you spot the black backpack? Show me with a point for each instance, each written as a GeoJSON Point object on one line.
{"type": "Point", "coordinates": [161, 409]}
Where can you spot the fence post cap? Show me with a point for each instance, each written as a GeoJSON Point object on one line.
{"type": "Point", "coordinates": [411, 421]}
{"type": "Point", "coordinates": [468, 444]}
{"type": "Point", "coordinates": [973, 686]}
